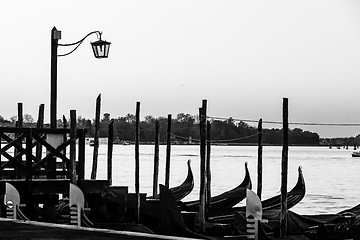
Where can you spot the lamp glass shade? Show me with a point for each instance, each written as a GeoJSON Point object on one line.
{"type": "Point", "coordinates": [101, 48]}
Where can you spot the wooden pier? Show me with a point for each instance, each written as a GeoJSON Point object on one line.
{"type": "Point", "coordinates": [42, 178]}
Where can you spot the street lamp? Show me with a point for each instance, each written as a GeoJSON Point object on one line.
{"type": "Point", "coordinates": [100, 49]}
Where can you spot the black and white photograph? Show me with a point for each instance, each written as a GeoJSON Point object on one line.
{"type": "Point", "coordinates": [165, 119]}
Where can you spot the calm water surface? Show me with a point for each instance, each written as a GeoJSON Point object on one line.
{"type": "Point", "coordinates": [331, 175]}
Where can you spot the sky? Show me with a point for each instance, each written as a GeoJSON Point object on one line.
{"type": "Point", "coordinates": [243, 57]}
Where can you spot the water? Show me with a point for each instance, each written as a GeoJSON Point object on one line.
{"type": "Point", "coordinates": [330, 175]}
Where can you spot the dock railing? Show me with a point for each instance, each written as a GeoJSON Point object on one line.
{"type": "Point", "coordinates": [19, 158]}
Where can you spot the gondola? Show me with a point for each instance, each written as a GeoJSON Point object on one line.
{"type": "Point", "coordinates": [172, 222]}
{"type": "Point", "coordinates": [227, 199]}
{"type": "Point", "coordinates": [150, 214]}
{"type": "Point", "coordinates": [181, 191]}
{"type": "Point", "coordinates": [186, 187]}
{"type": "Point", "coordinates": [294, 196]}
{"type": "Point", "coordinates": [342, 225]}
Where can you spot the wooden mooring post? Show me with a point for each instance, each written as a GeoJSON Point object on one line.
{"type": "Point", "coordinates": [81, 158]}
{"type": "Point", "coordinates": [208, 172]}
{"type": "Point", "coordinates": [137, 163]}
{"type": "Point", "coordinates": [203, 174]}
{"type": "Point", "coordinates": [72, 165]}
{"type": "Point", "coordinates": [284, 169]}
{"type": "Point", "coordinates": [40, 121]}
{"type": "Point", "coordinates": [96, 137]}
{"type": "Point", "coordinates": [110, 150]}
{"type": "Point", "coordinates": [40, 124]}
{"type": "Point", "coordinates": [20, 116]}
{"type": "Point", "coordinates": [65, 125]}
{"type": "Point", "coordinates": [19, 124]}
{"type": "Point", "coordinates": [260, 147]}
{"type": "Point", "coordinates": [168, 152]}
{"type": "Point", "coordinates": [156, 160]}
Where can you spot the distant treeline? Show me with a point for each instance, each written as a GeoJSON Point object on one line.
{"type": "Point", "coordinates": [341, 142]}
{"type": "Point", "coordinates": [185, 129]}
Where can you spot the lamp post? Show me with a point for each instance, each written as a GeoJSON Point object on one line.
{"type": "Point", "coordinates": [100, 50]}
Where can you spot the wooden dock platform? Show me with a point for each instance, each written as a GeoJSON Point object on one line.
{"type": "Point", "coordinates": [21, 230]}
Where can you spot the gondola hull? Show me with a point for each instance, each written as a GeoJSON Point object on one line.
{"type": "Point", "coordinates": [227, 199]}
{"type": "Point", "coordinates": [294, 196]}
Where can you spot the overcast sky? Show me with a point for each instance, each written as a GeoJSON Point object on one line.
{"type": "Point", "coordinates": [244, 57]}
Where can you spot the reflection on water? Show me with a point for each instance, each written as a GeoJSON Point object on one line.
{"type": "Point", "coordinates": [331, 175]}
